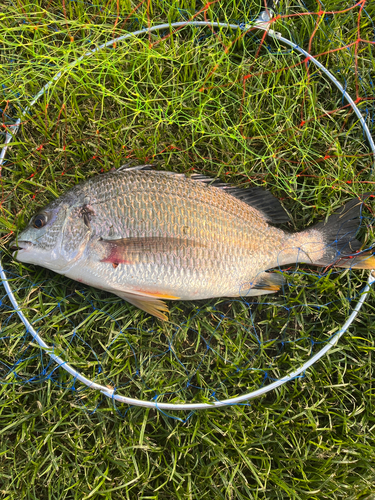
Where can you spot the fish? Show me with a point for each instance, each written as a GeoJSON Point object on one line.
{"type": "Point", "coordinates": [149, 236]}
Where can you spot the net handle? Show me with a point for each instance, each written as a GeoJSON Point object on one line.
{"type": "Point", "coordinates": [262, 23]}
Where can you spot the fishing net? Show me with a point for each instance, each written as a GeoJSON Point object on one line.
{"type": "Point", "coordinates": [230, 100]}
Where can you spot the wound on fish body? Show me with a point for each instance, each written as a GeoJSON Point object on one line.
{"type": "Point", "coordinates": [147, 235]}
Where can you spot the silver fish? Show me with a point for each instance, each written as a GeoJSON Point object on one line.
{"type": "Point", "coordinates": [147, 235]}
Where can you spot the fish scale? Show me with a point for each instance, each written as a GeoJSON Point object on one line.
{"type": "Point", "coordinates": [217, 223]}
{"type": "Point", "coordinates": [147, 235]}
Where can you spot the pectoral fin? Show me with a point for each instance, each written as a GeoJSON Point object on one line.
{"type": "Point", "coordinates": [125, 250]}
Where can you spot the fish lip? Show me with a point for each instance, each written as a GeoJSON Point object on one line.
{"type": "Point", "coordinates": [16, 246]}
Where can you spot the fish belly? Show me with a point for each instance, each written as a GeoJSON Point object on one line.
{"type": "Point", "coordinates": [175, 276]}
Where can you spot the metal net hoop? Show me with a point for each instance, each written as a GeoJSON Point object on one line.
{"type": "Point", "coordinates": [262, 23]}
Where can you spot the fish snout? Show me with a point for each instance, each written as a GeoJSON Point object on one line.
{"type": "Point", "coordinates": [16, 246]}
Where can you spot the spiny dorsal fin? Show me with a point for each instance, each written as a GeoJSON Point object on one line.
{"type": "Point", "coordinates": [127, 166]}
{"type": "Point", "coordinates": [258, 198]}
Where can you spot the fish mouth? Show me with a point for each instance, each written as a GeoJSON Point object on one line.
{"type": "Point", "coordinates": [16, 246]}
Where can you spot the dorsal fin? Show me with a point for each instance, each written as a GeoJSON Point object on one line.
{"type": "Point", "coordinates": [127, 166]}
{"type": "Point", "coordinates": [258, 198]}
{"type": "Point", "coordinates": [263, 201]}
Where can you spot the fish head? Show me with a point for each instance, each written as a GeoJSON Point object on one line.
{"type": "Point", "coordinates": [56, 237]}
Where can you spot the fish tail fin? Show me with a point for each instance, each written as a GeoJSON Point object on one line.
{"type": "Point", "coordinates": [341, 248]}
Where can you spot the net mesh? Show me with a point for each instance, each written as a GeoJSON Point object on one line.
{"type": "Point", "coordinates": [238, 105]}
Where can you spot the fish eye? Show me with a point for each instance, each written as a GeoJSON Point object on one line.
{"type": "Point", "coordinates": [39, 221]}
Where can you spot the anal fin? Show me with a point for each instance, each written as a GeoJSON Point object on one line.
{"type": "Point", "coordinates": [262, 284]}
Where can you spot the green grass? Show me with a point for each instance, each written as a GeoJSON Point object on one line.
{"type": "Point", "coordinates": [227, 106]}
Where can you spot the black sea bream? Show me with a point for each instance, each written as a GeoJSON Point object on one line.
{"type": "Point", "coordinates": [147, 235]}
